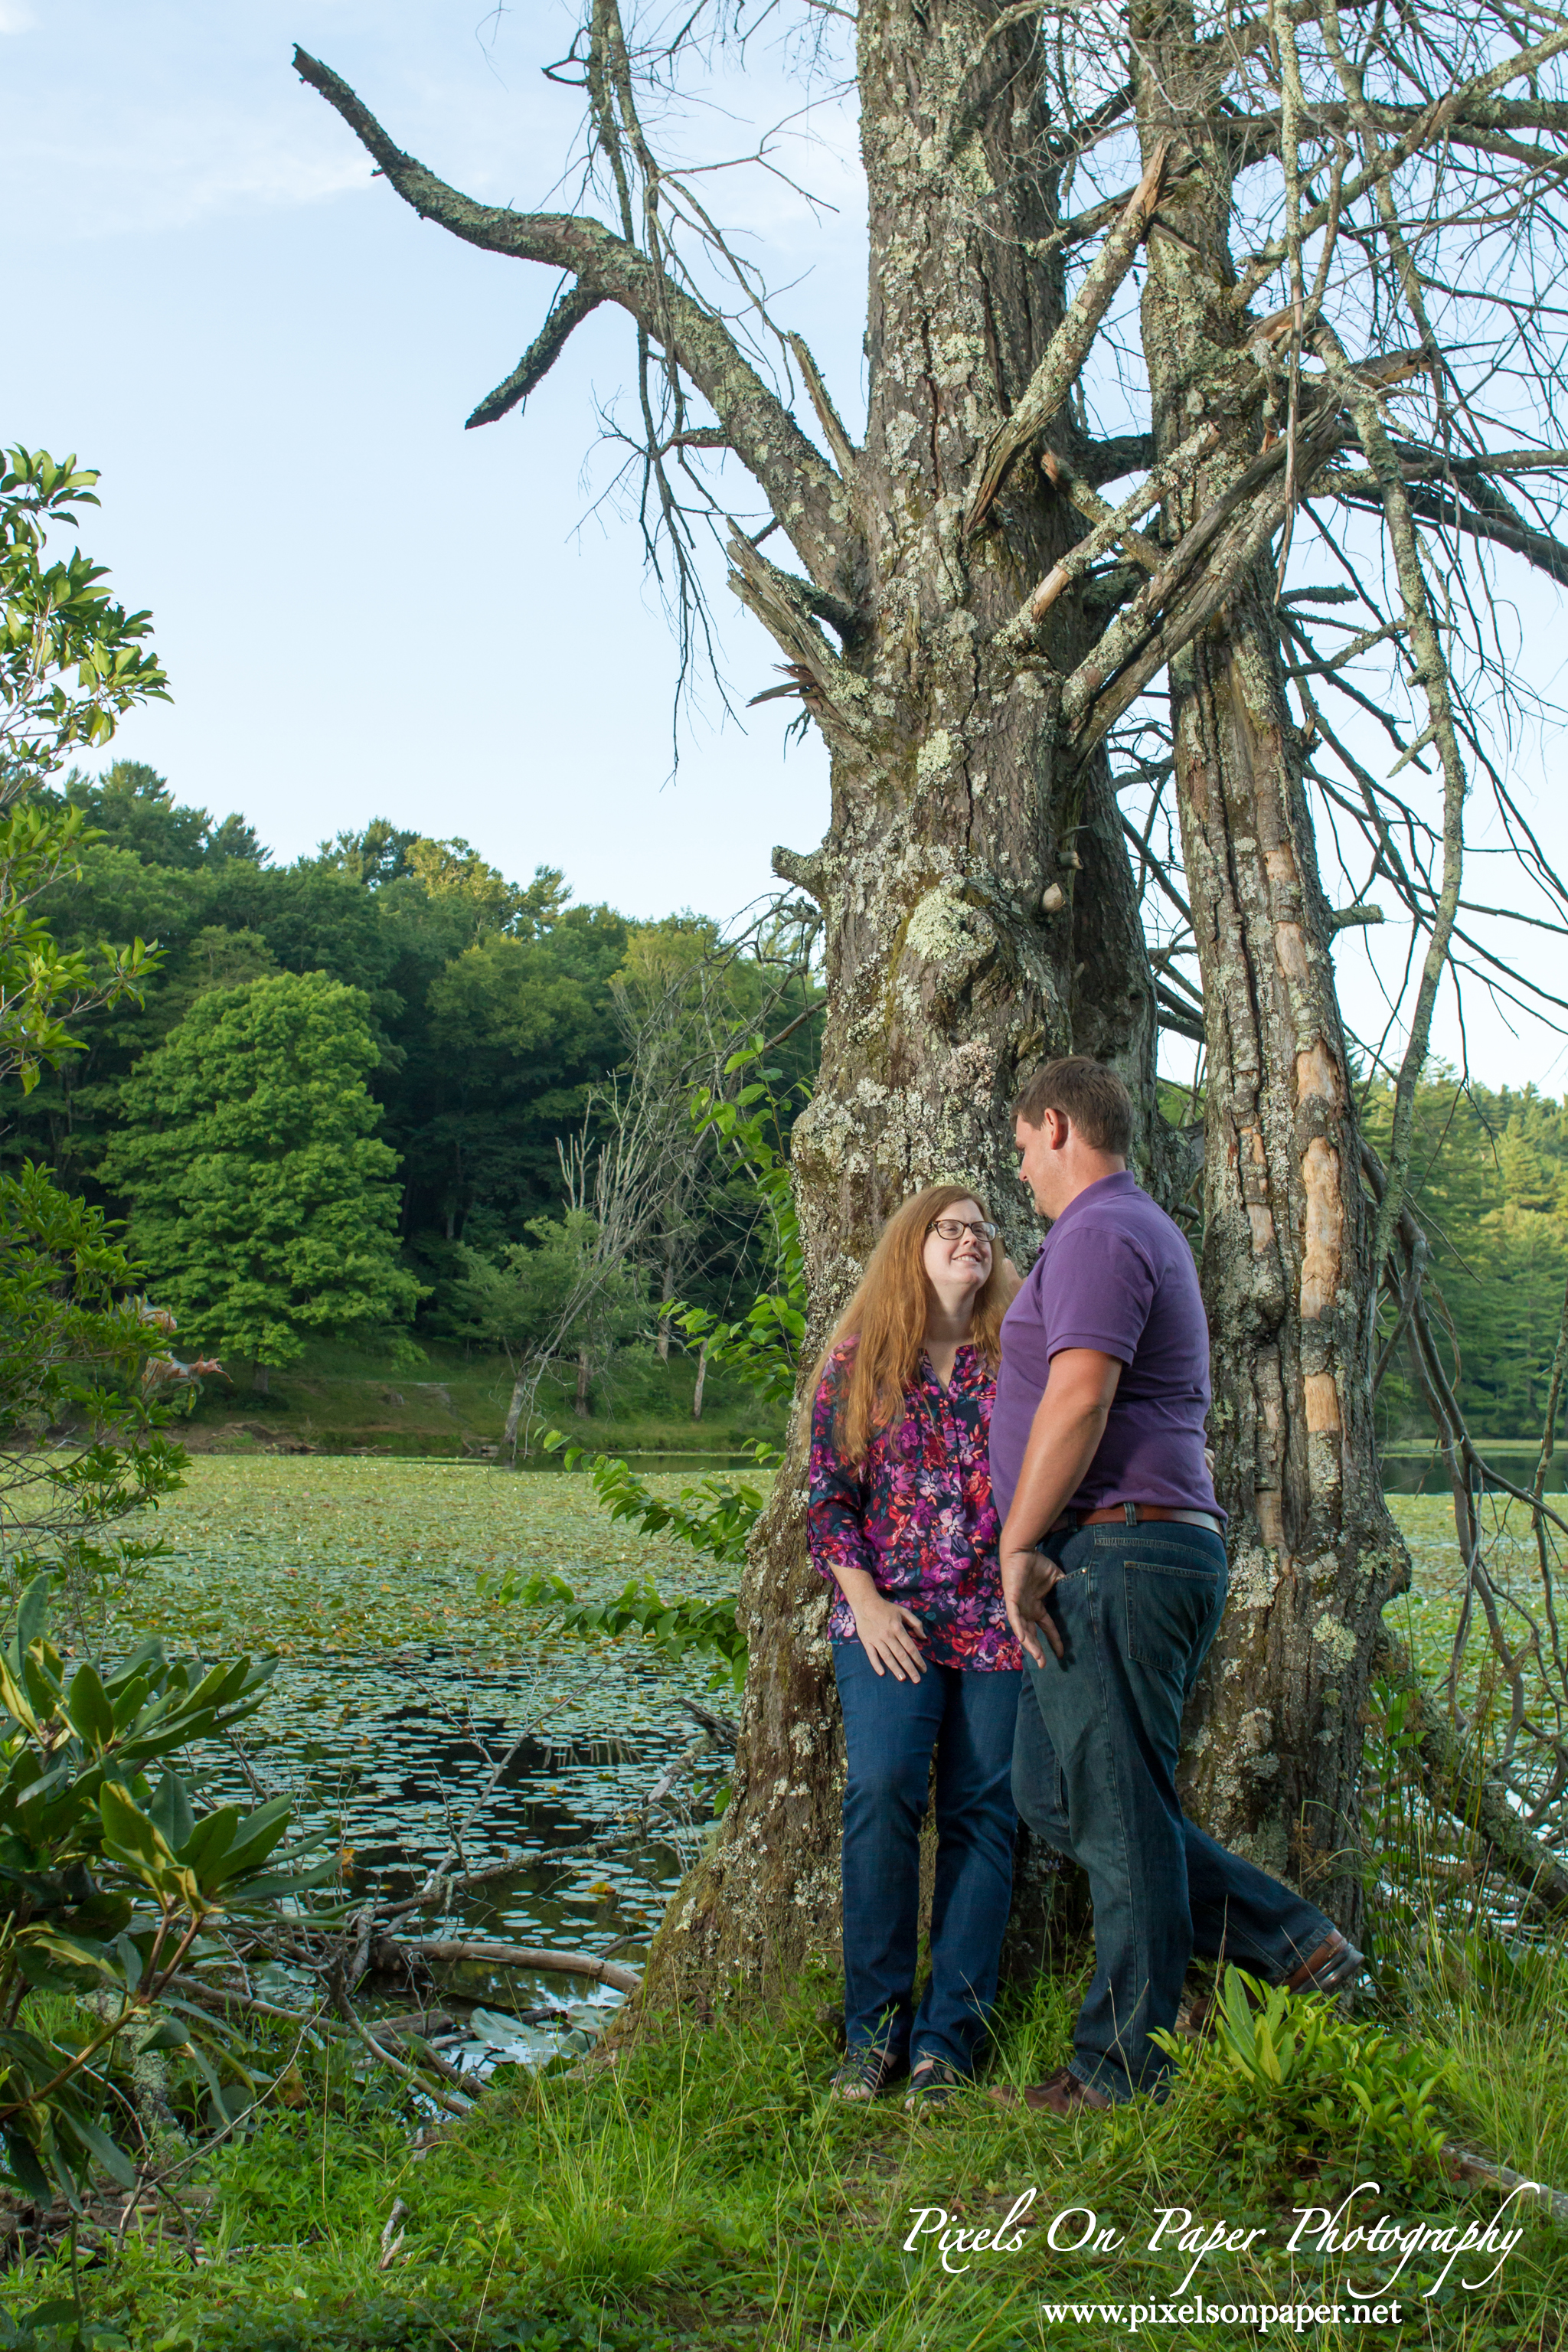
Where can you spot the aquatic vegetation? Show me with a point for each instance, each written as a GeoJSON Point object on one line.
{"type": "Point", "coordinates": [406, 1677]}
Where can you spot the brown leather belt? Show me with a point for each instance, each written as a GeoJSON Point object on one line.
{"type": "Point", "coordinates": [1133, 1514]}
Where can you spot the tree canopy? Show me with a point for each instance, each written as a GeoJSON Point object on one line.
{"type": "Point", "coordinates": [500, 1012]}
{"type": "Point", "coordinates": [263, 1199]}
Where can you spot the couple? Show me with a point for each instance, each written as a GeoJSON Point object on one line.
{"type": "Point", "coordinates": [1010, 1491]}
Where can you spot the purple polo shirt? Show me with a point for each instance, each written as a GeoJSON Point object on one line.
{"type": "Point", "coordinates": [1113, 1274]}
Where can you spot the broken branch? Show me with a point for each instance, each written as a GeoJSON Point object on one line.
{"type": "Point", "coordinates": [1058, 371]}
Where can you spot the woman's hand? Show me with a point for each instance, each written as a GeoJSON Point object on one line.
{"type": "Point", "coordinates": [890, 1635]}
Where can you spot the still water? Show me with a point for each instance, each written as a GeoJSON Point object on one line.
{"type": "Point", "coordinates": [399, 1758]}
{"type": "Point", "coordinates": [1419, 1470]}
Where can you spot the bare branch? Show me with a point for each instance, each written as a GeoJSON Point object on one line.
{"type": "Point", "coordinates": [1114, 528]}
{"type": "Point", "coordinates": [1441, 506]}
{"type": "Point", "coordinates": [567, 312]}
{"type": "Point", "coordinates": [1053, 379]}
{"type": "Point", "coordinates": [799, 484]}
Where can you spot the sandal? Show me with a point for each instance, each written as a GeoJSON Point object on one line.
{"type": "Point", "coordinates": [934, 2083]}
{"type": "Point", "coordinates": [865, 2074]}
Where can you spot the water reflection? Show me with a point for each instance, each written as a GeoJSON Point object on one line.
{"type": "Point", "coordinates": [1421, 1470]}
{"type": "Point", "coordinates": [404, 1757]}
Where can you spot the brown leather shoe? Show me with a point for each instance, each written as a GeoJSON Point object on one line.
{"type": "Point", "coordinates": [1329, 1968]}
{"type": "Point", "coordinates": [1332, 1967]}
{"type": "Point", "coordinates": [1061, 2093]}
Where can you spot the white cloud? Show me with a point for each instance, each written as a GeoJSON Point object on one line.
{"type": "Point", "coordinates": [161, 171]}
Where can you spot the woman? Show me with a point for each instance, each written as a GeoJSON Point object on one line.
{"type": "Point", "coordinates": [902, 1520]}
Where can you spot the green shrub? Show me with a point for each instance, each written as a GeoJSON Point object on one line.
{"type": "Point", "coordinates": [1287, 2070]}
{"type": "Point", "coordinates": [106, 1886]}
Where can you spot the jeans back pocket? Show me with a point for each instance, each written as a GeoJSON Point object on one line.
{"type": "Point", "coordinates": [1174, 1607]}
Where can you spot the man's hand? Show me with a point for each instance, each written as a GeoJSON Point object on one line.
{"type": "Point", "coordinates": [1027, 1577]}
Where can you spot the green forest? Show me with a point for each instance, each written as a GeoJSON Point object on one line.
{"type": "Point", "coordinates": [357, 1093]}
{"type": "Point", "coordinates": [1489, 1183]}
{"type": "Point", "coordinates": [376, 1096]}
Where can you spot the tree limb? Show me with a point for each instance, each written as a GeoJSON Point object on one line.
{"type": "Point", "coordinates": [567, 313]}
{"type": "Point", "coordinates": [1113, 526]}
{"type": "Point", "coordinates": [1429, 126]}
{"type": "Point", "coordinates": [1099, 462]}
{"type": "Point", "coordinates": [787, 608]}
{"type": "Point", "coordinates": [1433, 505]}
{"type": "Point", "coordinates": [1058, 371]}
{"type": "Point", "coordinates": [1136, 646]}
{"type": "Point", "coordinates": [800, 486]}
{"type": "Point", "coordinates": [1456, 1779]}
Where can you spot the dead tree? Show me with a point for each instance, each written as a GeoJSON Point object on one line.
{"type": "Point", "coordinates": [1111, 243]}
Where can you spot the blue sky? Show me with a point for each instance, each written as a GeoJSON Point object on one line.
{"type": "Point", "coordinates": [363, 609]}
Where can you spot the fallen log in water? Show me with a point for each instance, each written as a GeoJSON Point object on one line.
{"type": "Point", "coordinates": [444, 1950]}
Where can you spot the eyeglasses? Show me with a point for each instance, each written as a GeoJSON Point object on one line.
{"type": "Point", "coordinates": [952, 1229]}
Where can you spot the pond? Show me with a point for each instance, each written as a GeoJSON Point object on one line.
{"type": "Point", "coordinates": [408, 1707]}
{"type": "Point", "coordinates": [1420, 1470]}
{"type": "Point", "coordinates": [408, 1710]}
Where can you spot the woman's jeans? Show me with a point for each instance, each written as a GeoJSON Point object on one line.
{"type": "Point", "coordinates": [889, 1728]}
{"type": "Point", "coordinates": [1094, 1774]}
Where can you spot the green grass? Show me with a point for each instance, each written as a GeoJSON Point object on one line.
{"type": "Point", "coordinates": [699, 2189]}
{"type": "Point", "coordinates": [339, 1399]}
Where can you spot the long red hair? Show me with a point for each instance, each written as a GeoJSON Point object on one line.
{"type": "Point", "coordinates": [886, 1319]}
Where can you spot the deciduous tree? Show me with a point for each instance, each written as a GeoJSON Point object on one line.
{"type": "Point", "coordinates": [262, 1194]}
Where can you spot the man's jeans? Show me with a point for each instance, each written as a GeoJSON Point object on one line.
{"type": "Point", "coordinates": [888, 1730]}
{"type": "Point", "coordinates": [1094, 1774]}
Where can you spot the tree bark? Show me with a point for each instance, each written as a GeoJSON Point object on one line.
{"type": "Point", "coordinates": [666, 1299]}
{"type": "Point", "coordinates": [584, 1369]}
{"type": "Point", "coordinates": [521, 1379]}
{"type": "Point", "coordinates": [1275, 1743]}
{"type": "Point", "coordinates": [260, 1379]}
{"type": "Point", "coordinates": [701, 1381]}
{"type": "Point", "coordinates": [978, 906]}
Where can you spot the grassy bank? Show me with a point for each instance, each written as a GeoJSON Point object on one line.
{"type": "Point", "coordinates": [702, 2193]}
{"type": "Point", "coordinates": [699, 2190]}
{"type": "Point", "coordinates": [342, 1399]}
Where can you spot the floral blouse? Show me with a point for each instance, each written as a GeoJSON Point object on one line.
{"type": "Point", "coordinates": [917, 1513]}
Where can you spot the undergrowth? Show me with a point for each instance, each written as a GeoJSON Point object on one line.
{"type": "Point", "coordinates": [700, 2190]}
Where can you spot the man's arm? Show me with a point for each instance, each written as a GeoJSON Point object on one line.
{"type": "Point", "coordinates": [1064, 1437]}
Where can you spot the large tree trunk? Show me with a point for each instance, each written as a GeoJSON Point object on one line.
{"type": "Point", "coordinates": [1275, 1751]}
{"type": "Point", "coordinates": [979, 910]}
{"type": "Point", "coordinates": [976, 904]}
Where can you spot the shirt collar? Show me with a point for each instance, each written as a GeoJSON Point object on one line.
{"type": "Point", "coordinates": [1104, 1187]}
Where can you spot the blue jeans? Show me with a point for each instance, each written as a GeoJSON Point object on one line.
{"type": "Point", "coordinates": [890, 1728]}
{"type": "Point", "coordinates": [1094, 1774]}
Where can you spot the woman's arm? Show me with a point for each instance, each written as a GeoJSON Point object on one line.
{"type": "Point", "coordinates": [889, 1634]}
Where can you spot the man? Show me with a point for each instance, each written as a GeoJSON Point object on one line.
{"type": "Point", "coordinates": [1112, 1548]}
